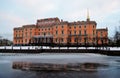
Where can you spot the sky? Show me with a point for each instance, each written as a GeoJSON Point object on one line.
{"type": "Point", "coordinates": [15, 13]}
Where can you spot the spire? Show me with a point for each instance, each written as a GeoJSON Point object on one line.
{"type": "Point", "coordinates": [88, 17]}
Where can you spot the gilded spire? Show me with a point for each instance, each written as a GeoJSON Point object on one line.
{"type": "Point", "coordinates": [88, 17]}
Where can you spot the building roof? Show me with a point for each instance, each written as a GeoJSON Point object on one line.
{"type": "Point", "coordinates": [82, 22]}
{"type": "Point", "coordinates": [18, 28]}
{"type": "Point", "coordinates": [29, 25]}
{"type": "Point", "coordinates": [48, 19]}
{"type": "Point", "coordinates": [102, 29]}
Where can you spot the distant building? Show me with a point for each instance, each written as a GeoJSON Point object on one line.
{"type": "Point", "coordinates": [5, 42]}
{"type": "Point", "coordinates": [102, 36]}
{"type": "Point", "coordinates": [53, 30]}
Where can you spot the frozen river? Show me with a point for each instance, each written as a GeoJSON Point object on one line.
{"type": "Point", "coordinates": [111, 71]}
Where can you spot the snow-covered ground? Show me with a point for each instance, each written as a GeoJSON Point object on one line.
{"type": "Point", "coordinates": [46, 47]}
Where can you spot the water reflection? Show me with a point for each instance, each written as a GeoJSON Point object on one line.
{"type": "Point", "coordinates": [101, 66]}
{"type": "Point", "coordinates": [29, 66]}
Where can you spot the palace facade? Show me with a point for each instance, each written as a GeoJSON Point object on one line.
{"type": "Point", "coordinates": [56, 31]}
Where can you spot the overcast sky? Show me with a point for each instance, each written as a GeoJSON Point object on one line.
{"type": "Point", "coordinates": [15, 13]}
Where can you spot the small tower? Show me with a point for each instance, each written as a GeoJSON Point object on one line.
{"type": "Point", "coordinates": [88, 17]}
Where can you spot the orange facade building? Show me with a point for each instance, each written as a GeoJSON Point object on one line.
{"type": "Point", "coordinates": [53, 30]}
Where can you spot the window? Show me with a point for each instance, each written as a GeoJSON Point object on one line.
{"type": "Point", "coordinates": [85, 32]}
{"type": "Point", "coordinates": [93, 26]}
{"type": "Point", "coordinates": [93, 32]}
{"type": "Point", "coordinates": [62, 32]}
{"type": "Point", "coordinates": [56, 32]}
{"type": "Point", "coordinates": [56, 39]}
{"type": "Point", "coordinates": [85, 26]}
{"type": "Point", "coordinates": [62, 40]}
{"type": "Point", "coordinates": [74, 32]}
{"type": "Point", "coordinates": [101, 33]}
{"type": "Point", "coordinates": [75, 27]}
{"type": "Point", "coordinates": [44, 34]}
{"type": "Point", "coordinates": [69, 40]}
{"type": "Point", "coordinates": [38, 33]}
{"type": "Point", "coordinates": [48, 28]}
{"type": "Point", "coordinates": [62, 26]}
{"type": "Point", "coordinates": [79, 26]}
{"type": "Point", "coordinates": [25, 40]}
{"type": "Point", "coordinates": [79, 32]}
{"type": "Point", "coordinates": [75, 40]}
{"type": "Point", "coordinates": [70, 32]}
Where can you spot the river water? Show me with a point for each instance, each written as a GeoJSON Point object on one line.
{"type": "Point", "coordinates": [112, 70]}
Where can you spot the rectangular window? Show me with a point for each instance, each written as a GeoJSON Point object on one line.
{"type": "Point", "coordinates": [79, 26]}
{"type": "Point", "coordinates": [75, 27]}
{"type": "Point", "coordinates": [19, 41]}
{"type": "Point", "coordinates": [69, 40]}
{"type": "Point", "coordinates": [74, 32]}
{"type": "Point", "coordinates": [56, 32]}
{"type": "Point", "coordinates": [101, 34]}
{"type": "Point", "coordinates": [79, 32]}
{"type": "Point", "coordinates": [49, 29]}
{"type": "Point", "coordinates": [75, 40]}
{"type": "Point", "coordinates": [85, 32]}
{"type": "Point", "coordinates": [62, 40]}
{"type": "Point", "coordinates": [70, 33]}
{"type": "Point", "coordinates": [25, 40]}
{"type": "Point", "coordinates": [62, 32]}
{"type": "Point", "coordinates": [93, 32]}
{"type": "Point", "coordinates": [56, 39]}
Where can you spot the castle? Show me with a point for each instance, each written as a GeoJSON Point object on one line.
{"type": "Point", "coordinates": [56, 31]}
